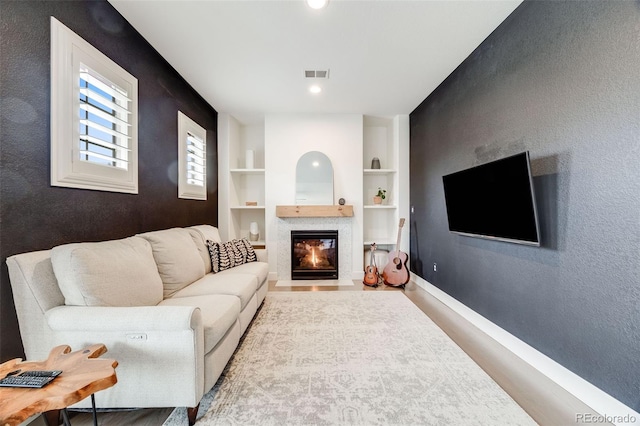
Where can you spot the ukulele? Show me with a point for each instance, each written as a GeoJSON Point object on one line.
{"type": "Point", "coordinates": [371, 272]}
{"type": "Point", "coordinates": [396, 273]}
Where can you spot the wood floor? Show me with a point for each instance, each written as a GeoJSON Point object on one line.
{"type": "Point", "coordinates": [155, 417]}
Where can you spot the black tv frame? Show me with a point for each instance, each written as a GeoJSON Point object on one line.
{"type": "Point", "coordinates": [472, 176]}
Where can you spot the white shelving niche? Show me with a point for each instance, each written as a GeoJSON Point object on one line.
{"type": "Point", "coordinates": [239, 184]}
{"type": "Point", "coordinates": [385, 138]}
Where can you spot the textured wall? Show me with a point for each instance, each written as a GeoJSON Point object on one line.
{"type": "Point", "coordinates": [560, 79]}
{"type": "Point", "coordinates": [34, 215]}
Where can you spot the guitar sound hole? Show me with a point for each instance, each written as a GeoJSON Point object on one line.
{"type": "Point", "coordinates": [396, 261]}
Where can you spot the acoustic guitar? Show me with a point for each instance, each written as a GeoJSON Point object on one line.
{"type": "Point", "coordinates": [396, 273]}
{"type": "Point", "coordinates": [371, 275]}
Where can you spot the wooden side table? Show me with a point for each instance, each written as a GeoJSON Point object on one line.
{"type": "Point", "coordinates": [83, 374]}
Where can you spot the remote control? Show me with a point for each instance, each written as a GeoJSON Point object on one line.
{"type": "Point", "coordinates": [25, 381]}
{"type": "Point", "coordinates": [42, 373]}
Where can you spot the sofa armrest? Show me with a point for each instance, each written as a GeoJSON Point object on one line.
{"type": "Point", "coordinates": [157, 348]}
{"type": "Point", "coordinates": [109, 319]}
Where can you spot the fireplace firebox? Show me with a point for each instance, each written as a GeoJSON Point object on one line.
{"type": "Point", "coordinates": [314, 255]}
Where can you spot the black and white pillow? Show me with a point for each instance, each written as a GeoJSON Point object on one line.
{"type": "Point", "coordinates": [229, 254]}
{"type": "Point", "coordinates": [245, 247]}
{"type": "Point", "coordinates": [214, 250]}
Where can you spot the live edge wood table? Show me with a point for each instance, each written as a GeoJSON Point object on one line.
{"type": "Point", "coordinates": [82, 375]}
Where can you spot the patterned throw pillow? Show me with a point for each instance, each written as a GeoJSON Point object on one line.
{"type": "Point", "coordinates": [231, 253]}
{"type": "Point", "coordinates": [214, 249]}
{"type": "Point", "coordinates": [248, 253]}
{"type": "Point", "coordinates": [230, 256]}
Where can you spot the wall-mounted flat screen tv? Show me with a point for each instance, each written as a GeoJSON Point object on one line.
{"type": "Point", "coordinates": [494, 200]}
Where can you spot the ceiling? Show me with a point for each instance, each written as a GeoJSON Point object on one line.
{"type": "Point", "coordinates": [247, 58]}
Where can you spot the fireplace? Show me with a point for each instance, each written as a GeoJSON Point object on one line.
{"type": "Point", "coordinates": [314, 255]}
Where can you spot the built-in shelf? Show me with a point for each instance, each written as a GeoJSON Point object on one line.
{"type": "Point", "coordinates": [315, 211]}
{"type": "Point", "coordinates": [247, 171]}
{"type": "Point", "coordinates": [381, 242]}
{"type": "Point", "coordinates": [379, 206]}
{"type": "Point", "coordinates": [238, 184]}
{"type": "Point", "coordinates": [379, 171]}
{"type": "Point", "coordinates": [387, 140]}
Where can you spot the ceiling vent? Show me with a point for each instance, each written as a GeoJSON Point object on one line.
{"type": "Point", "coordinates": [316, 73]}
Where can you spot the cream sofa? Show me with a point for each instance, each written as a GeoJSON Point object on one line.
{"type": "Point", "coordinates": [152, 299]}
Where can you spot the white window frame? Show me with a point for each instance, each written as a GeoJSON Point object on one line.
{"type": "Point", "coordinates": [68, 52]}
{"type": "Point", "coordinates": [186, 128]}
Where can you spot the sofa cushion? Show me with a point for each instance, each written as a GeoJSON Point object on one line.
{"type": "Point", "coordinates": [242, 286]}
{"type": "Point", "coordinates": [258, 269]}
{"type": "Point", "coordinates": [230, 254]}
{"type": "Point", "coordinates": [200, 234]}
{"type": "Point", "coordinates": [177, 258]}
{"type": "Point", "coordinates": [219, 313]}
{"type": "Point", "coordinates": [108, 273]}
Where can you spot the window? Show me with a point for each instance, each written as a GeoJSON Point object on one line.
{"type": "Point", "coordinates": [192, 159]}
{"type": "Point", "coordinates": [94, 114]}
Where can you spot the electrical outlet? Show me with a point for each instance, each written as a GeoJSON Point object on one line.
{"type": "Point", "coordinates": [435, 267]}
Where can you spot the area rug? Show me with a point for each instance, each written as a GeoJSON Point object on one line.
{"type": "Point", "coordinates": [313, 283]}
{"type": "Point", "coordinates": [351, 358]}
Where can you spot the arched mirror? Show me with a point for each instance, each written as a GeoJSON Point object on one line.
{"type": "Point", "coordinates": [314, 179]}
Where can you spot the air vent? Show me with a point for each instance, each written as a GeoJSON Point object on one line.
{"type": "Point", "coordinates": [316, 73]}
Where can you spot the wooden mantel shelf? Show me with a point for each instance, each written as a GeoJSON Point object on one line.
{"type": "Point", "coordinates": [315, 211]}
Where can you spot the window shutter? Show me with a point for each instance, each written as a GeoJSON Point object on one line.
{"type": "Point", "coordinates": [105, 121]}
{"type": "Point", "coordinates": [196, 160]}
{"type": "Point", "coordinates": [192, 163]}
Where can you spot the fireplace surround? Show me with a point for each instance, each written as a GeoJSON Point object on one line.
{"type": "Point", "coordinates": [314, 254]}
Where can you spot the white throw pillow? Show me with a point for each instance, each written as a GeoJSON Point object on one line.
{"type": "Point", "coordinates": [200, 234]}
{"type": "Point", "coordinates": [177, 257]}
{"type": "Point", "coordinates": [208, 232]}
{"type": "Point", "coordinates": [109, 273]}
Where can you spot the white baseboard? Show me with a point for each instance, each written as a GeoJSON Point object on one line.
{"type": "Point", "coordinates": [610, 409]}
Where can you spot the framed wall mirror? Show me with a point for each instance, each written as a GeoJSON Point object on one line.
{"type": "Point", "coordinates": [314, 179]}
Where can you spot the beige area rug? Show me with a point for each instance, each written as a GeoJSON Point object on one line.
{"type": "Point", "coordinates": [351, 358]}
{"type": "Point", "coordinates": [313, 283]}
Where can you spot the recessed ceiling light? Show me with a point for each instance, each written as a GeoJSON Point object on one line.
{"type": "Point", "coordinates": [315, 89]}
{"type": "Point", "coordinates": [317, 4]}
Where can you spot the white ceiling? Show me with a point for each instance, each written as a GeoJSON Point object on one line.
{"type": "Point", "coordinates": [247, 58]}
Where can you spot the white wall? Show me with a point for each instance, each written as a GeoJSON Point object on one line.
{"type": "Point", "coordinates": [228, 130]}
{"type": "Point", "coordinates": [287, 138]}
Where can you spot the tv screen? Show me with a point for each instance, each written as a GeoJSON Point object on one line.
{"type": "Point", "coordinates": [494, 200]}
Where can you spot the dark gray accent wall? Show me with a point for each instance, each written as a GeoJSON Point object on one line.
{"type": "Point", "coordinates": [560, 79]}
{"type": "Point", "coordinates": [34, 215]}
